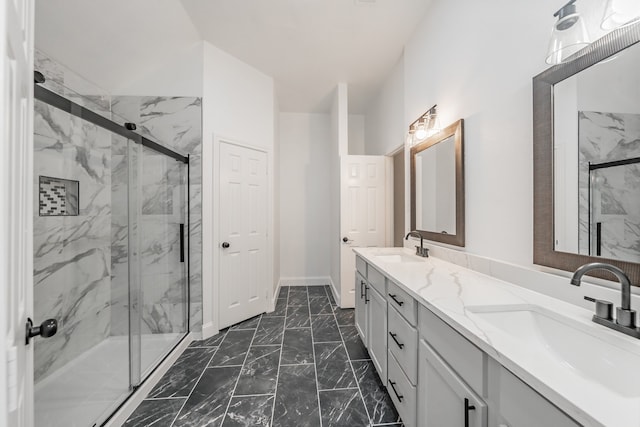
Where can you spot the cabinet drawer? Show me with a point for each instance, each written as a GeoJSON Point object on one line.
{"type": "Point", "coordinates": [464, 357]}
{"type": "Point", "coordinates": [402, 393]}
{"type": "Point", "coordinates": [377, 280]}
{"type": "Point", "coordinates": [403, 302]}
{"type": "Point", "coordinates": [361, 266]}
{"type": "Point", "coordinates": [402, 342]}
{"type": "Point", "coordinates": [522, 406]}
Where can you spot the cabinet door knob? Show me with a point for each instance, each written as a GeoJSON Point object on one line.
{"type": "Point", "coordinates": [467, 408]}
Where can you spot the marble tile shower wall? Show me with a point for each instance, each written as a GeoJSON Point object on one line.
{"type": "Point", "coordinates": [607, 137]}
{"type": "Point", "coordinates": [72, 255]}
{"type": "Point", "coordinates": [72, 260]}
{"type": "Point", "coordinates": [175, 122]}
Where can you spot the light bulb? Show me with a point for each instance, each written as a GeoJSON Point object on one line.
{"type": "Point", "coordinates": [421, 132]}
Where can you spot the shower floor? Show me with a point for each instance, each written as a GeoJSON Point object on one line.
{"type": "Point", "coordinates": [89, 388]}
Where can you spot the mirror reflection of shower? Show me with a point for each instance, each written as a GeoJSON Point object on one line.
{"type": "Point", "coordinates": [614, 209]}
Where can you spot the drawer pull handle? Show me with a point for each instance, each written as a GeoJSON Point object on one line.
{"type": "Point", "coordinates": [467, 408]}
{"type": "Point", "coordinates": [396, 340]}
{"type": "Point", "coordinates": [361, 289]}
{"type": "Point", "coordinates": [366, 294]}
{"type": "Point", "coordinates": [393, 297]}
{"type": "Point", "coordinates": [399, 396]}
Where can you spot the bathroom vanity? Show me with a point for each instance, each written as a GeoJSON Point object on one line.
{"type": "Point", "coordinates": [459, 348]}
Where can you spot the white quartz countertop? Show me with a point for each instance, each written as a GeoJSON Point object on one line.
{"type": "Point", "coordinates": [596, 386]}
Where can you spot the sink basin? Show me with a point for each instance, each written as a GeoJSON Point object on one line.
{"type": "Point", "coordinates": [565, 343]}
{"type": "Point", "coordinates": [396, 258]}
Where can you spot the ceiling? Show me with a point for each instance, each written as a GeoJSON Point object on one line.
{"type": "Point", "coordinates": [308, 46]}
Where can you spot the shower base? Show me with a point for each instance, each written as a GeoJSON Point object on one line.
{"type": "Point", "coordinates": [88, 389]}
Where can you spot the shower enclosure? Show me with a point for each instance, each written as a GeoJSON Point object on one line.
{"type": "Point", "coordinates": [110, 257]}
{"type": "Point", "coordinates": [614, 209]}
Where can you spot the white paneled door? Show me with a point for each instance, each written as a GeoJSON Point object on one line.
{"type": "Point", "coordinates": [362, 214]}
{"type": "Point", "coordinates": [243, 233]}
{"type": "Point", "coordinates": [16, 212]}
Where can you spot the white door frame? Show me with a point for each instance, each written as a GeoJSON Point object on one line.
{"type": "Point", "coordinates": [211, 230]}
{"type": "Point", "coordinates": [16, 212]}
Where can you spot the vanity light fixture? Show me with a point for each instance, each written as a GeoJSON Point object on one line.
{"type": "Point", "coordinates": [424, 126]}
{"type": "Point", "coordinates": [618, 13]}
{"type": "Point", "coordinates": [569, 34]}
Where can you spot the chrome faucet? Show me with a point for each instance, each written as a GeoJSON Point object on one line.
{"type": "Point", "coordinates": [625, 321]}
{"type": "Point", "coordinates": [420, 250]}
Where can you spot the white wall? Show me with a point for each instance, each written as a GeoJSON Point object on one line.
{"type": "Point", "coordinates": [276, 194]}
{"type": "Point", "coordinates": [356, 134]}
{"type": "Point", "coordinates": [384, 119]}
{"type": "Point", "coordinates": [478, 66]}
{"type": "Point", "coordinates": [305, 195]}
{"type": "Point", "coordinates": [238, 104]}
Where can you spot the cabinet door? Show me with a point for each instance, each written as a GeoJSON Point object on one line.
{"type": "Point", "coordinates": [361, 308]}
{"type": "Point", "coordinates": [444, 399]}
{"type": "Point", "coordinates": [377, 307]}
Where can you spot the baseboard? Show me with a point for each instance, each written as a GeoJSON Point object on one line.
{"type": "Point", "coordinates": [275, 296]}
{"type": "Point", "coordinates": [127, 408]}
{"type": "Point", "coordinates": [208, 330]}
{"type": "Point", "coordinates": [334, 291]}
{"type": "Point", "coordinates": [304, 281]}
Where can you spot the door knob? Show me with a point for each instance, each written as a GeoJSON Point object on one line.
{"type": "Point", "coordinates": [47, 329]}
{"type": "Point", "coordinates": [346, 240]}
{"type": "Point", "coordinates": [225, 245]}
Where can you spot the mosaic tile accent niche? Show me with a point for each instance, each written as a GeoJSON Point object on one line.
{"type": "Point", "coordinates": [58, 197]}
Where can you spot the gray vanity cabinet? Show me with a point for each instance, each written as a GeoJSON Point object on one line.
{"type": "Point", "coordinates": [444, 398]}
{"type": "Point", "coordinates": [377, 323]}
{"type": "Point", "coordinates": [361, 307]}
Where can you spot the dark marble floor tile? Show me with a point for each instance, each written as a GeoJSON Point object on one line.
{"type": "Point", "coordinates": [160, 412]}
{"type": "Point", "coordinates": [388, 425]}
{"type": "Point", "coordinates": [345, 317]}
{"type": "Point", "coordinates": [298, 290]}
{"type": "Point", "coordinates": [316, 291]}
{"type": "Point", "coordinates": [297, 400]}
{"type": "Point", "coordinates": [208, 401]}
{"type": "Point", "coordinates": [182, 376]}
{"type": "Point", "coordinates": [320, 305]}
{"type": "Point", "coordinates": [214, 341]}
{"type": "Point", "coordinates": [283, 292]}
{"type": "Point", "coordinates": [325, 328]}
{"type": "Point", "coordinates": [297, 347]}
{"type": "Point", "coordinates": [298, 317]}
{"type": "Point", "coordinates": [280, 310]}
{"type": "Point", "coordinates": [260, 371]}
{"type": "Point", "coordinates": [297, 298]}
{"type": "Point", "coordinates": [247, 324]}
{"type": "Point", "coordinates": [333, 367]}
{"type": "Point", "coordinates": [327, 288]}
{"type": "Point", "coordinates": [376, 398]}
{"type": "Point", "coordinates": [269, 331]}
{"type": "Point", "coordinates": [249, 411]}
{"type": "Point", "coordinates": [233, 349]}
{"type": "Point", "coordinates": [355, 347]}
{"type": "Point", "coordinates": [342, 408]}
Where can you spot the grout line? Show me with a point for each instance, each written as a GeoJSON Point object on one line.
{"type": "Point", "coordinates": [339, 389]}
{"type": "Point", "coordinates": [253, 395]}
{"type": "Point", "coordinates": [246, 356]}
{"type": "Point", "coordinates": [296, 364]}
{"type": "Point", "coordinates": [315, 361]}
{"type": "Point", "coordinates": [199, 378]}
{"type": "Point", "coordinates": [284, 329]}
{"type": "Point", "coordinates": [165, 398]}
{"type": "Point", "coordinates": [353, 372]}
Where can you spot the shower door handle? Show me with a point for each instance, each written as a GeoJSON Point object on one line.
{"type": "Point", "coordinates": [47, 329]}
{"type": "Point", "coordinates": [181, 242]}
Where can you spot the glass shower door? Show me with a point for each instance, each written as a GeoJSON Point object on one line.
{"type": "Point", "coordinates": [158, 261]}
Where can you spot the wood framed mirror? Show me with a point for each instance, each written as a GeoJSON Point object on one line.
{"type": "Point", "coordinates": [586, 144]}
{"type": "Point", "coordinates": [437, 186]}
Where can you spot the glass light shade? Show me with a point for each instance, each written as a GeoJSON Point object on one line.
{"type": "Point", "coordinates": [433, 125]}
{"type": "Point", "coordinates": [421, 132]}
{"type": "Point", "coordinates": [569, 36]}
{"type": "Point", "coordinates": [618, 13]}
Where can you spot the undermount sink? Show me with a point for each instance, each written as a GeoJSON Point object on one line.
{"type": "Point", "coordinates": [566, 343]}
{"type": "Point", "coordinates": [396, 258]}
